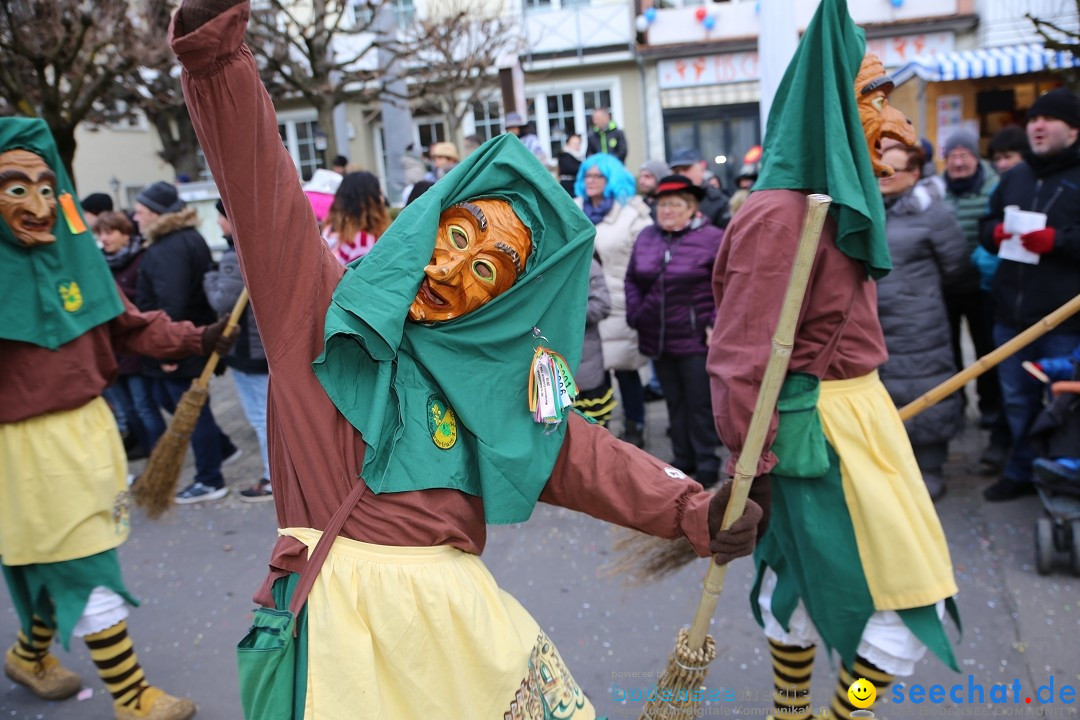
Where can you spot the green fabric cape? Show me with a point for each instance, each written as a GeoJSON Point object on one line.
{"type": "Point", "coordinates": [386, 374]}
{"type": "Point", "coordinates": [814, 140]}
{"type": "Point", "coordinates": [31, 306]}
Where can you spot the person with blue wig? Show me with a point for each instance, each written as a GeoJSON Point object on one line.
{"type": "Point", "coordinates": [606, 191]}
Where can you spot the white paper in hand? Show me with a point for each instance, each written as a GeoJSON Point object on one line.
{"type": "Point", "coordinates": [1017, 223]}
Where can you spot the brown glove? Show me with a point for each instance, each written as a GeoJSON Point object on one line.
{"type": "Point", "coordinates": [193, 14]}
{"type": "Point", "coordinates": [214, 338]}
{"type": "Point", "coordinates": [761, 493]}
{"type": "Point", "coordinates": [739, 539]}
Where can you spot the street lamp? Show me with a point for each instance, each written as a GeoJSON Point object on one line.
{"type": "Point", "coordinates": [114, 183]}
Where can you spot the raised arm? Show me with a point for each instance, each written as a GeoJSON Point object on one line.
{"type": "Point", "coordinates": [289, 272]}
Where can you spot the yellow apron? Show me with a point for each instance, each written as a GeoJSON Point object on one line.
{"type": "Point", "coordinates": [63, 493]}
{"type": "Point", "coordinates": [424, 632]}
{"type": "Point", "coordinates": [894, 519]}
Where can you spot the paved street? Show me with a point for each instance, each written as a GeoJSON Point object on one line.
{"type": "Point", "coordinates": [196, 570]}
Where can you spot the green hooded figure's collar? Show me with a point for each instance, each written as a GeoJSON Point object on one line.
{"type": "Point", "coordinates": [814, 140]}
{"type": "Point", "coordinates": [446, 405]}
{"type": "Point", "coordinates": [51, 294]}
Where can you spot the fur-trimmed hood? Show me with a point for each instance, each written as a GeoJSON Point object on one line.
{"type": "Point", "coordinates": [170, 223]}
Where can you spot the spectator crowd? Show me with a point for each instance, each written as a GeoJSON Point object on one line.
{"type": "Point", "coordinates": [651, 309]}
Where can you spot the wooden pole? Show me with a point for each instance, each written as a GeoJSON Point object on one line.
{"type": "Point", "coordinates": [934, 396]}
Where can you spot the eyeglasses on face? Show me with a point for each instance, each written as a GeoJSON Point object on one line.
{"type": "Point", "coordinates": [595, 176]}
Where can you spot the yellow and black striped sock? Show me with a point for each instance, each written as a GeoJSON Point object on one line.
{"type": "Point", "coordinates": [841, 706]}
{"type": "Point", "coordinates": [792, 667]}
{"type": "Point", "coordinates": [112, 652]}
{"type": "Point", "coordinates": [35, 647]}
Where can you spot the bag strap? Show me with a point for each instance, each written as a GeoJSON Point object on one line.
{"type": "Point", "coordinates": [322, 549]}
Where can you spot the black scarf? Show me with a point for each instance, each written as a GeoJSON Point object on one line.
{"type": "Point", "coordinates": [966, 186]}
{"type": "Point", "coordinates": [1044, 165]}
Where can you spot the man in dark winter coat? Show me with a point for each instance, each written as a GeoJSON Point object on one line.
{"type": "Point", "coordinates": [715, 206]}
{"type": "Point", "coordinates": [605, 136]}
{"type": "Point", "coordinates": [250, 371]}
{"type": "Point", "coordinates": [170, 279]}
{"type": "Point", "coordinates": [1048, 181]}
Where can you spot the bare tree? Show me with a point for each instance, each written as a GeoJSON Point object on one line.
{"type": "Point", "coordinates": [455, 65]}
{"type": "Point", "coordinates": [1056, 36]}
{"type": "Point", "coordinates": [60, 58]}
{"type": "Point", "coordinates": [154, 88]}
{"type": "Point", "coordinates": [322, 51]}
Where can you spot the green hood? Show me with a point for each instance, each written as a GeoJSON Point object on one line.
{"type": "Point", "coordinates": [394, 380]}
{"type": "Point", "coordinates": [814, 140]}
{"type": "Point", "coordinates": [51, 294]}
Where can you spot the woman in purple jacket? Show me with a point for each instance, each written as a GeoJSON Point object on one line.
{"type": "Point", "coordinates": [669, 302]}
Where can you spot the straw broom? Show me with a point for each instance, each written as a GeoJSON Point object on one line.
{"type": "Point", "coordinates": [156, 489]}
{"type": "Point", "coordinates": [678, 694]}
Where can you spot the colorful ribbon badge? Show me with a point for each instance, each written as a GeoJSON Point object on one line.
{"type": "Point", "coordinates": [551, 387]}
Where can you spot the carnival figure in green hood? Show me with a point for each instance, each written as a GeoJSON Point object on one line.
{"type": "Point", "coordinates": [65, 499]}
{"type": "Point", "coordinates": [415, 395]}
{"type": "Point", "coordinates": [853, 555]}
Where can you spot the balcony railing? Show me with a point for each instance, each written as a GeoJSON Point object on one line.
{"type": "Point", "coordinates": [1003, 22]}
{"type": "Point", "coordinates": [579, 28]}
{"type": "Point", "coordinates": [739, 19]}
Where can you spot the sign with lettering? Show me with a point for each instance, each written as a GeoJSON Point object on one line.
{"type": "Point", "coordinates": [722, 68]}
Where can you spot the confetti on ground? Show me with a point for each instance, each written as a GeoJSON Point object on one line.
{"type": "Point", "coordinates": [85, 694]}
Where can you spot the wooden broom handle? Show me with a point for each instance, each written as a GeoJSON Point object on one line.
{"type": "Point", "coordinates": [977, 368]}
{"type": "Point", "coordinates": [817, 207]}
{"type": "Point", "coordinates": [234, 320]}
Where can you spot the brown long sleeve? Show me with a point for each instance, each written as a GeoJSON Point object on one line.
{"type": "Point", "coordinates": [315, 454]}
{"type": "Point", "coordinates": [616, 482]}
{"type": "Point", "coordinates": [35, 380]}
{"type": "Point", "coordinates": [838, 335]}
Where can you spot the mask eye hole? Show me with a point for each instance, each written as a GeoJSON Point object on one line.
{"type": "Point", "coordinates": [46, 192]}
{"type": "Point", "coordinates": [16, 191]}
{"type": "Point", "coordinates": [485, 271]}
{"type": "Point", "coordinates": [878, 102]}
{"type": "Point", "coordinates": [458, 237]}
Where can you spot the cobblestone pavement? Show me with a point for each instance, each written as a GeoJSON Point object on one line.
{"type": "Point", "coordinates": [195, 572]}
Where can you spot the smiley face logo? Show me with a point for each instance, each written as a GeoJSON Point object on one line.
{"type": "Point", "coordinates": [862, 693]}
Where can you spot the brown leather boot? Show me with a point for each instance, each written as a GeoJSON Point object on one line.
{"type": "Point", "coordinates": [45, 677]}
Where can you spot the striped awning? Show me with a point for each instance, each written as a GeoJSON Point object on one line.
{"type": "Point", "coordinates": [987, 62]}
{"type": "Point", "coordinates": [709, 95]}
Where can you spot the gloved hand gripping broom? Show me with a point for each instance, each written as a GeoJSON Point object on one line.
{"type": "Point", "coordinates": [156, 488]}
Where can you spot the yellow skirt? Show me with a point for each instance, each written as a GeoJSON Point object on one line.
{"type": "Point", "coordinates": [901, 543]}
{"type": "Point", "coordinates": [408, 632]}
{"type": "Point", "coordinates": [63, 493]}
